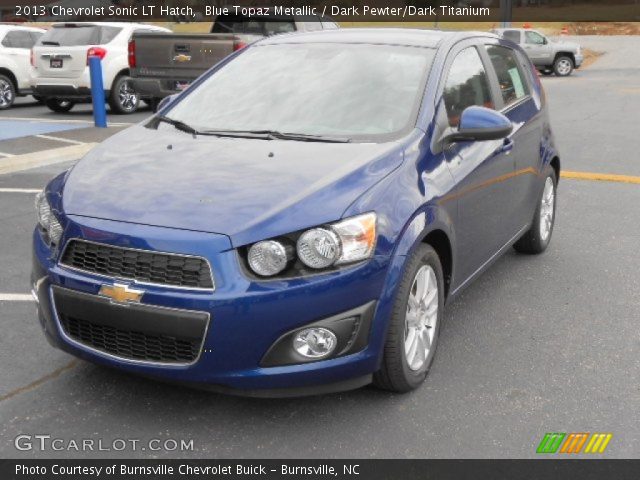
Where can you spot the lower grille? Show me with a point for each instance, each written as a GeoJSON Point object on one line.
{"type": "Point", "coordinates": [131, 344]}
{"type": "Point", "coordinates": [132, 331]}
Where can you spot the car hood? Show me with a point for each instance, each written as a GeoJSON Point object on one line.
{"type": "Point", "coordinates": [248, 189]}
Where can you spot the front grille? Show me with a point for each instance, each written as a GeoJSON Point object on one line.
{"type": "Point", "coordinates": [131, 344]}
{"type": "Point", "coordinates": [140, 265]}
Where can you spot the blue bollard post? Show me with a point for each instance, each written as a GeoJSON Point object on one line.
{"type": "Point", "coordinates": [97, 92]}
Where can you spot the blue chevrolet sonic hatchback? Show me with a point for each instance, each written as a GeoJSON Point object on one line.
{"type": "Point", "coordinates": [296, 220]}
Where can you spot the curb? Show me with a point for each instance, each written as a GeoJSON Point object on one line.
{"type": "Point", "coordinates": [27, 161]}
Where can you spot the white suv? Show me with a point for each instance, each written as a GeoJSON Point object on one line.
{"type": "Point", "coordinates": [60, 64]}
{"type": "Point", "coordinates": [15, 47]}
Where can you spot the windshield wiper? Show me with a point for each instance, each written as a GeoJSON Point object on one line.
{"type": "Point", "coordinates": [176, 123]}
{"type": "Point", "coordinates": [273, 134]}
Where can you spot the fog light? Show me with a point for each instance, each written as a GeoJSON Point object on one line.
{"type": "Point", "coordinates": [315, 342]}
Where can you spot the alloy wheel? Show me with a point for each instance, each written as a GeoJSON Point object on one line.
{"type": "Point", "coordinates": [6, 93]}
{"type": "Point", "coordinates": [564, 66]}
{"type": "Point", "coordinates": [127, 96]}
{"type": "Point", "coordinates": [421, 317]}
{"type": "Point", "coordinates": [547, 209]}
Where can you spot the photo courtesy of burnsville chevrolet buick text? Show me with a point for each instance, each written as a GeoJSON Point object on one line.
{"type": "Point", "coordinates": [297, 219]}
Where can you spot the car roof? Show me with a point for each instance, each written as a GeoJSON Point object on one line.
{"type": "Point", "coordinates": [7, 26]}
{"type": "Point", "coordinates": [111, 24]}
{"type": "Point", "coordinates": [385, 36]}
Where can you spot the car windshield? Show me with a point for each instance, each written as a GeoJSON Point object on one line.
{"type": "Point", "coordinates": [356, 91]}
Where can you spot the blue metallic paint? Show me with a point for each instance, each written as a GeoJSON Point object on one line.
{"type": "Point", "coordinates": [224, 193]}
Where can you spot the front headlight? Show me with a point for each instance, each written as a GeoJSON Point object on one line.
{"type": "Point", "coordinates": [47, 219]}
{"type": "Point", "coordinates": [347, 241]}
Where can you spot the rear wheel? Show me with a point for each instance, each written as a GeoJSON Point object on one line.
{"type": "Point", "coordinates": [7, 92]}
{"type": "Point", "coordinates": [123, 98]}
{"type": "Point", "coordinates": [415, 324]}
{"type": "Point", "coordinates": [563, 66]}
{"type": "Point", "coordinates": [537, 238]}
{"type": "Point", "coordinates": [59, 105]}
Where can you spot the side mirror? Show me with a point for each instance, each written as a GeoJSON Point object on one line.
{"type": "Point", "coordinates": [166, 101]}
{"type": "Point", "coordinates": [545, 41]}
{"type": "Point", "coordinates": [479, 124]}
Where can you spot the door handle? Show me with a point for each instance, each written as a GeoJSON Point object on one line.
{"type": "Point", "coordinates": [506, 147]}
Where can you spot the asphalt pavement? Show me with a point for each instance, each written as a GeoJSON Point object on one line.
{"type": "Point", "coordinates": [537, 344]}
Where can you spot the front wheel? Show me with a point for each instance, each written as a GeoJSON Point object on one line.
{"type": "Point", "coordinates": [537, 238]}
{"type": "Point", "coordinates": [123, 98]}
{"type": "Point", "coordinates": [58, 105]}
{"type": "Point", "coordinates": [7, 92]}
{"type": "Point", "coordinates": [563, 66]}
{"type": "Point", "coordinates": [415, 324]}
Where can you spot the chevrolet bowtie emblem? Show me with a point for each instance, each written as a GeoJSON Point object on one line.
{"type": "Point", "coordinates": [182, 58]}
{"type": "Point", "coordinates": [120, 293]}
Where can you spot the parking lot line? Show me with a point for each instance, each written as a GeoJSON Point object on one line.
{"type": "Point", "coordinates": [20, 190]}
{"type": "Point", "coordinates": [58, 139]}
{"type": "Point", "coordinates": [58, 120]}
{"type": "Point", "coordinates": [600, 177]}
{"type": "Point", "coordinates": [16, 297]}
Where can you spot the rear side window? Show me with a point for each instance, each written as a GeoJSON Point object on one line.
{"type": "Point", "coordinates": [467, 85]}
{"type": "Point", "coordinates": [513, 84]}
{"type": "Point", "coordinates": [18, 39]}
{"type": "Point", "coordinates": [512, 35]}
{"type": "Point", "coordinates": [76, 35]}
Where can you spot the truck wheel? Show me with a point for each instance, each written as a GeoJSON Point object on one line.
{"type": "Point", "coordinates": [59, 105]}
{"type": "Point", "coordinates": [415, 324]}
{"type": "Point", "coordinates": [546, 71]}
{"type": "Point", "coordinates": [7, 92]}
{"type": "Point", "coordinates": [123, 98]}
{"type": "Point", "coordinates": [563, 66]}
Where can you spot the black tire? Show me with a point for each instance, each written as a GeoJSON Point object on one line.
{"type": "Point", "coordinates": [533, 241]}
{"type": "Point", "coordinates": [38, 98]}
{"type": "Point", "coordinates": [59, 105]}
{"type": "Point", "coordinates": [563, 66]}
{"type": "Point", "coordinates": [395, 374]}
{"type": "Point", "coordinates": [7, 92]}
{"type": "Point", "coordinates": [546, 72]}
{"type": "Point", "coordinates": [122, 98]}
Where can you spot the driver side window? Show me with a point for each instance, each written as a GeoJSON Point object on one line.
{"type": "Point", "coordinates": [533, 38]}
{"type": "Point", "coordinates": [467, 85]}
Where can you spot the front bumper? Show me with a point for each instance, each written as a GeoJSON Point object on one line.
{"type": "Point", "coordinates": [246, 318]}
{"type": "Point", "coordinates": [579, 58]}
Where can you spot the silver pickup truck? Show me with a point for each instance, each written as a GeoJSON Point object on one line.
{"type": "Point", "coordinates": [549, 57]}
{"type": "Point", "coordinates": [165, 64]}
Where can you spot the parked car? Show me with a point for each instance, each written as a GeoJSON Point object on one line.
{"type": "Point", "coordinates": [15, 48]}
{"type": "Point", "coordinates": [61, 71]}
{"type": "Point", "coordinates": [162, 65]}
{"type": "Point", "coordinates": [295, 221]}
{"type": "Point", "coordinates": [548, 56]}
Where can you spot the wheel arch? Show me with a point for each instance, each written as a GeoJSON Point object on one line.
{"type": "Point", "coordinates": [571, 55]}
{"type": "Point", "coordinates": [439, 241]}
{"type": "Point", "coordinates": [11, 76]}
{"type": "Point", "coordinates": [555, 164]}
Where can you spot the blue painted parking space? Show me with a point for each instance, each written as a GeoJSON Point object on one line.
{"type": "Point", "coordinates": [23, 128]}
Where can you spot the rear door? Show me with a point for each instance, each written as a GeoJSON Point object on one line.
{"type": "Point", "coordinates": [482, 170]}
{"type": "Point", "coordinates": [513, 75]}
{"type": "Point", "coordinates": [62, 51]}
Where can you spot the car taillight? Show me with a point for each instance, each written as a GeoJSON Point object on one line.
{"type": "Point", "coordinates": [32, 58]}
{"type": "Point", "coordinates": [238, 45]}
{"type": "Point", "coordinates": [131, 49]}
{"type": "Point", "coordinates": [96, 52]}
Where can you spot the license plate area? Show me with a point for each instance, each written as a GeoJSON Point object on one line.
{"type": "Point", "coordinates": [180, 85]}
{"type": "Point", "coordinates": [55, 63]}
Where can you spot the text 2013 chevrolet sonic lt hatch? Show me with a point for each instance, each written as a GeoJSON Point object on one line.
{"type": "Point", "coordinates": [295, 221]}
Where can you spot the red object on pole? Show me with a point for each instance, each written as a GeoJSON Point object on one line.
{"type": "Point", "coordinates": [526, 25]}
{"type": "Point", "coordinates": [564, 31]}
